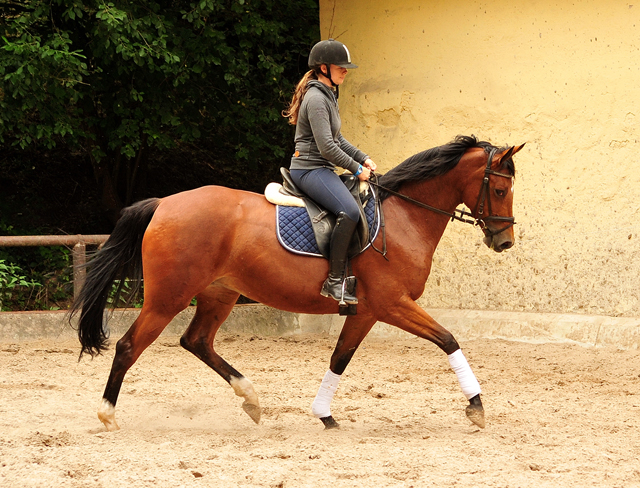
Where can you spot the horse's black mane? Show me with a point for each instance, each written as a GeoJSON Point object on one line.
{"type": "Point", "coordinates": [433, 162]}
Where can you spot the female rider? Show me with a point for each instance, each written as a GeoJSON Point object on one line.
{"type": "Point", "coordinates": [320, 147]}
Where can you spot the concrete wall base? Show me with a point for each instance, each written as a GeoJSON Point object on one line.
{"type": "Point", "coordinates": [587, 330]}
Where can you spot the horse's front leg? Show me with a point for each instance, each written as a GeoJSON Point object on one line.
{"type": "Point", "coordinates": [408, 316]}
{"type": "Point", "coordinates": [354, 330]}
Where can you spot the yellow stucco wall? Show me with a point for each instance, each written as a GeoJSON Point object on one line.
{"type": "Point", "coordinates": [564, 77]}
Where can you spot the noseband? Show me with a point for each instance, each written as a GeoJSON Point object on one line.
{"type": "Point", "coordinates": [462, 215]}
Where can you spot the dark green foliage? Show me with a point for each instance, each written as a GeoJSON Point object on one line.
{"type": "Point", "coordinates": [12, 283]}
{"type": "Point", "coordinates": [106, 103]}
{"type": "Point", "coordinates": [114, 80]}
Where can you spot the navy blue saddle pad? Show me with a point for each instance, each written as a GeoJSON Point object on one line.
{"type": "Point", "coordinates": [295, 233]}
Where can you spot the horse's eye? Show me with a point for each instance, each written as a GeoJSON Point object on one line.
{"type": "Point", "coordinates": [500, 193]}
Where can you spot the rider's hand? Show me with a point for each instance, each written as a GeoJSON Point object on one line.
{"type": "Point", "coordinates": [370, 164]}
{"type": "Point", "coordinates": [366, 173]}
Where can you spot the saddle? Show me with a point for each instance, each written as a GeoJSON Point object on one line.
{"type": "Point", "coordinates": [323, 221]}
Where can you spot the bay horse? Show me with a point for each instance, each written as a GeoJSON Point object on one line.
{"type": "Point", "coordinates": [215, 243]}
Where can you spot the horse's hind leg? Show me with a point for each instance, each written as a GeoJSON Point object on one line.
{"type": "Point", "coordinates": [142, 333]}
{"type": "Point", "coordinates": [214, 306]}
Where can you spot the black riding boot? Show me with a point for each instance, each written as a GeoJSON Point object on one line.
{"type": "Point", "coordinates": [334, 286]}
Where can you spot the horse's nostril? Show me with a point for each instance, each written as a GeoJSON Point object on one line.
{"type": "Point", "coordinates": [506, 245]}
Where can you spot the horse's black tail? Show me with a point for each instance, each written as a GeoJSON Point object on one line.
{"type": "Point", "coordinates": [120, 258]}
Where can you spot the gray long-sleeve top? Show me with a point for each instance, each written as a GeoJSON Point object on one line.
{"type": "Point", "coordinates": [319, 142]}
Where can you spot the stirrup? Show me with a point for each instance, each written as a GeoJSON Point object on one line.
{"type": "Point", "coordinates": [343, 298]}
{"type": "Point", "coordinates": [350, 299]}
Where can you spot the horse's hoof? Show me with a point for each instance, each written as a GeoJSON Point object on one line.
{"type": "Point", "coordinates": [253, 411]}
{"type": "Point", "coordinates": [107, 415]}
{"type": "Point", "coordinates": [329, 423]}
{"type": "Point", "coordinates": [475, 413]}
{"type": "Point", "coordinates": [243, 388]}
{"type": "Point", "coordinates": [111, 425]}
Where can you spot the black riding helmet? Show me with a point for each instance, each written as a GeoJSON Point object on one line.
{"type": "Point", "coordinates": [330, 52]}
{"type": "Point", "coordinates": [327, 53]}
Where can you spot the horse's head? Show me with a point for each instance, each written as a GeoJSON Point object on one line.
{"type": "Point", "coordinates": [493, 205]}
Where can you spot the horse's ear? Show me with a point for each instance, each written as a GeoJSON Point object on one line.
{"type": "Point", "coordinates": [507, 153]}
{"type": "Point", "coordinates": [517, 148]}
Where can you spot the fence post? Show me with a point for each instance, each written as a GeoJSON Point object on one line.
{"type": "Point", "coordinates": [79, 270]}
{"type": "Point", "coordinates": [79, 243]}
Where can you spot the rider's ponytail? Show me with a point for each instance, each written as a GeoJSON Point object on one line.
{"type": "Point", "coordinates": [291, 112]}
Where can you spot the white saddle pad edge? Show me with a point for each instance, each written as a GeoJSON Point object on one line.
{"type": "Point", "coordinates": [273, 195]}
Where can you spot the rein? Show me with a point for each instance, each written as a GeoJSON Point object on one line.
{"type": "Point", "coordinates": [458, 214]}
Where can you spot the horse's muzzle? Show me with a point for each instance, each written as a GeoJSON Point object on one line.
{"type": "Point", "coordinates": [499, 242]}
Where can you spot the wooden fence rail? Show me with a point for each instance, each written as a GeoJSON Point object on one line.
{"type": "Point", "coordinates": [79, 243]}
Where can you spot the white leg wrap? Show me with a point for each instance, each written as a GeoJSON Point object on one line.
{"type": "Point", "coordinates": [466, 378]}
{"type": "Point", "coordinates": [321, 406]}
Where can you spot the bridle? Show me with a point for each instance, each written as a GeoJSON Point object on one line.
{"type": "Point", "coordinates": [485, 196]}
{"type": "Point", "coordinates": [462, 215]}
